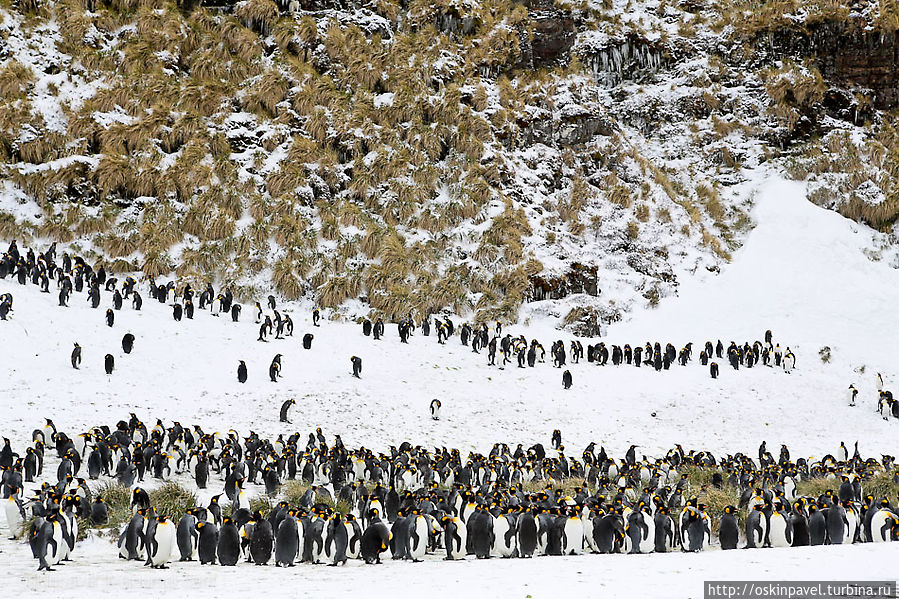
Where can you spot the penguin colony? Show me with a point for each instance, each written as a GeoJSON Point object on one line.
{"type": "Point", "coordinates": [75, 275]}
{"type": "Point", "coordinates": [410, 502]}
{"type": "Point", "coordinates": [509, 349]}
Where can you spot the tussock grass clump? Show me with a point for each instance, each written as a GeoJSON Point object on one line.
{"type": "Point", "coordinates": [118, 505]}
{"type": "Point", "coordinates": [172, 500]}
{"type": "Point", "coordinates": [261, 503]}
{"type": "Point", "coordinates": [881, 215]}
{"type": "Point", "coordinates": [815, 487]}
{"type": "Point", "coordinates": [258, 15]}
{"type": "Point", "coordinates": [881, 485]}
{"type": "Point", "coordinates": [294, 490]}
{"type": "Point", "coordinates": [15, 79]}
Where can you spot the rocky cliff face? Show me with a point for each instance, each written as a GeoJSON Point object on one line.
{"type": "Point", "coordinates": [847, 52]}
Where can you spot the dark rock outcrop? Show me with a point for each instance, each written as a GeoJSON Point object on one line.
{"type": "Point", "coordinates": [581, 278]}
{"type": "Point", "coordinates": [846, 52]}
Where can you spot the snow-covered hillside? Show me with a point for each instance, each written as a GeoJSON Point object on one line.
{"type": "Point", "coordinates": [472, 156]}
{"type": "Point", "coordinates": [802, 273]}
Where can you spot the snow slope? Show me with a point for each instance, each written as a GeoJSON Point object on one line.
{"type": "Point", "coordinates": [801, 273]}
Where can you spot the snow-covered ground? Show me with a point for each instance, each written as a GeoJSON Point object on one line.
{"type": "Point", "coordinates": [802, 273]}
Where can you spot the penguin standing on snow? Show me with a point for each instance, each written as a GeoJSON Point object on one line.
{"type": "Point", "coordinates": [127, 343]}
{"type": "Point", "coordinates": [357, 366]}
{"type": "Point", "coordinates": [263, 541]}
{"type": "Point", "coordinates": [315, 316]}
{"type": "Point", "coordinates": [242, 372]}
{"type": "Point", "coordinates": [288, 541]}
{"type": "Point", "coordinates": [110, 317]}
{"type": "Point", "coordinates": [229, 543]}
{"type": "Point", "coordinates": [455, 538]}
{"type": "Point", "coordinates": [161, 543]}
{"type": "Point", "coordinates": [336, 540]}
{"type": "Point", "coordinates": [713, 369]}
{"type": "Point", "coordinates": [274, 371]}
{"type": "Point", "coordinates": [284, 409]}
{"type": "Point", "coordinates": [307, 341]}
{"type": "Point", "coordinates": [109, 363]}
{"type": "Point", "coordinates": [76, 356]}
{"type": "Point", "coordinates": [556, 439]}
{"type": "Point", "coordinates": [435, 409]}
{"type": "Point", "coordinates": [374, 539]}
{"type": "Point", "coordinates": [853, 393]}
{"type": "Point", "coordinates": [207, 542]}
{"type": "Point", "coordinates": [235, 312]}
{"type": "Point", "coordinates": [566, 379]}
{"type": "Point", "coordinates": [186, 535]}
{"type": "Point", "coordinates": [789, 361]}
{"type": "Point", "coordinates": [756, 527]}
{"type": "Point", "coordinates": [817, 525]}
{"type": "Point", "coordinates": [99, 514]}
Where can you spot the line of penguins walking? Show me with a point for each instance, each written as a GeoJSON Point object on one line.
{"type": "Point", "coordinates": [528, 354]}
{"type": "Point", "coordinates": [409, 502]}
{"type": "Point", "coordinates": [75, 275]}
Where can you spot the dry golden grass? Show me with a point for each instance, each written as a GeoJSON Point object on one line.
{"type": "Point", "coordinates": [258, 15]}
{"type": "Point", "coordinates": [15, 79]}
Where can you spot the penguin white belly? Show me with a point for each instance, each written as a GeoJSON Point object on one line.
{"type": "Point", "coordinates": [790, 488]}
{"type": "Point", "coordinates": [123, 553]}
{"type": "Point", "coordinates": [850, 530]}
{"type": "Point", "coordinates": [648, 542]}
{"type": "Point", "coordinates": [881, 523]}
{"type": "Point", "coordinates": [458, 541]}
{"type": "Point", "coordinates": [501, 531]}
{"type": "Point", "coordinates": [763, 525]}
{"type": "Point", "coordinates": [707, 537]}
{"type": "Point", "coordinates": [466, 511]}
{"type": "Point", "coordinates": [57, 555]}
{"type": "Point", "coordinates": [574, 536]}
{"type": "Point", "coordinates": [165, 538]}
{"type": "Point", "coordinates": [590, 543]}
{"type": "Point", "coordinates": [321, 475]}
{"type": "Point", "coordinates": [778, 533]}
{"type": "Point", "coordinates": [73, 527]}
{"type": "Point", "coordinates": [418, 542]}
{"type": "Point", "coordinates": [671, 541]}
{"type": "Point", "coordinates": [352, 547]}
{"type": "Point", "coordinates": [14, 518]}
